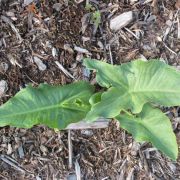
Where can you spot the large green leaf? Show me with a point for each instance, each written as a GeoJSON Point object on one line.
{"type": "Point", "coordinates": [106, 74]}
{"type": "Point", "coordinates": [153, 126]}
{"type": "Point", "coordinates": [54, 106]}
{"type": "Point", "coordinates": [132, 85]}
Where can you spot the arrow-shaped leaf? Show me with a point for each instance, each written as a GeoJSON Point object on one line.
{"type": "Point", "coordinates": [153, 126]}
{"type": "Point", "coordinates": [134, 84]}
{"type": "Point", "coordinates": [54, 106]}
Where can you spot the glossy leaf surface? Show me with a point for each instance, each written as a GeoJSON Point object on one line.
{"type": "Point", "coordinates": [54, 106]}
{"type": "Point", "coordinates": [133, 84]}
{"type": "Point", "coordinates": [153, 126]}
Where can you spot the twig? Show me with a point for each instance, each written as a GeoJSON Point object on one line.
{"type": "Point", "coordinates": [110, 54]}
{"type": "Point", "coordinates": [147, 1]}
{"type": "Point", "coordinates": [178, 28]}
{"type": "Point", "coordinates": [64, 70]}
{"type": "Point", "coordinates": [12, 163]}
{"type": "Point", "coordinates": [3, 177]}
{"type": "Point", "coordinates": [78, 170]}
{"type": "Point", "coordinates": [30, 79]}
{"type": "Point", "coordinates": [82, 50]}
{"type": "Point", "coordinates": [70, 149]}
{"type": "Point", "coordinates": [128, 30]}
{"type": "Point", "coordinates": [87, 2]}
{"type": "Point", "coordinates": [169, 48]}
{"type": "Point", "coordinates": [130, 174]}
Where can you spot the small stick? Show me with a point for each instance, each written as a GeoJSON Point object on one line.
{"type": "Point", "coordinates": [11, 163]}
{"type": "Point", "coordinates": [178, 28]}
{"type": "Point", "coordinates": [87, 2]}
{"type": "Point", "coordinates": [78, 170]}
{"type": "Point", "coordinates": [169, 49]}
{"type": "Point", "coordinates": [70, 149]}
{"type": "Point", "coordinates": [110, 54]}
{"type": "Point", "coordinates": [64, 70]}
{"type": "Point", "coordinates": [128, 30]}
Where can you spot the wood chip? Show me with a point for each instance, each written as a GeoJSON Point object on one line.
{"type": "Point", "coordinates": [79, 1]}
{"type": "Point", "coordinates": [57, 6]}
{"type": "Point", "coordinates": [100, 123]}
{"type": "Point", "coordinates": [13, 60]}
{"type": "Point", "coordinates": [3, 67]}
{"type": "Point", "coordinates": [9, 150]}
{"type": "Point", "coordinates": [27, 2]}
{"type": "Point", "coordinates": [3, 87]}
{"type": "Point", "coordinates": [85, 22]}
{"type": "Point", "coordinates": [87, 132]}
{"type": "Point", "coordinates": [21, 151]}
{"type": "Point", "coordinates": [54, 52]}
{"type": "Point", "coordinates": [121, 21]}
{"type": "Point", "coordinates": [177, 5]}
{"type": "Point", "coordinates": [82, 50]}
{"type": "Point", "coordinates": [39, 63]}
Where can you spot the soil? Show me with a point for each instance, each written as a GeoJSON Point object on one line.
{"type": "Point", "coordinates": [34, 36]}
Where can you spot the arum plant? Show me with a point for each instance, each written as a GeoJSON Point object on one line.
{"type": "Point", "coordinates": [134, 92]}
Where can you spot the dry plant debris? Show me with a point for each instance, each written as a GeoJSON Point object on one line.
{"type": "Point", "coordinates": [59, 34]}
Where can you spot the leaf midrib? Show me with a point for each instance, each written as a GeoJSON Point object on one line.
{"type": "Point", "coordinates": [157, 91]}
{"type": "Point", "coordinates": [149, 131]}
{"type": "Point", "coordinates": [42, 109]}
{"type": "Point", "coordinates": [159, 142]}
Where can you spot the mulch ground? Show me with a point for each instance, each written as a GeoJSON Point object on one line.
{"type": "Point", "coordinates": [37, 39]}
